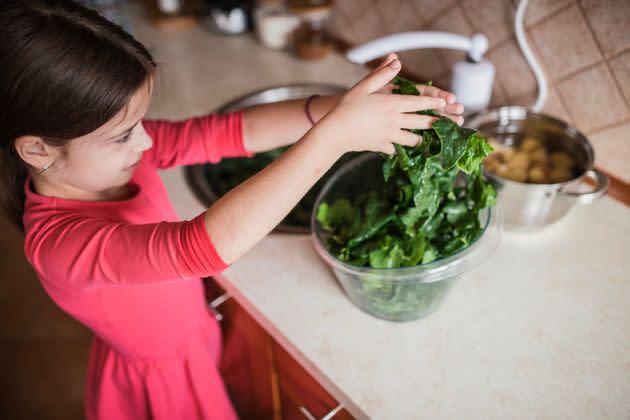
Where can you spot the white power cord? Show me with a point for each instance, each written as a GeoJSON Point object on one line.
{"type": "Point", "coordinates": [529, 56]}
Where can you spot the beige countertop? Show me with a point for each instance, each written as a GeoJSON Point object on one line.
{"type": "Point", "coordinates": [540, 330]}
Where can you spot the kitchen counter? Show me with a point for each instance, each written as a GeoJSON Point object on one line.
{"type": "Point", "coordinates": [540, 330]}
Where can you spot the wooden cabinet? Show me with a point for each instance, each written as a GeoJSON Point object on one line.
{"type": "Point", "coordinates": [247, 360]}
{"type": "Point", "coordinates": [301, 394]}
{"type": "Point", "coordinates": [263, 380]}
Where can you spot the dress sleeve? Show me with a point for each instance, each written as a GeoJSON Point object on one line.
{"type": "Point", "coordinates": [78, 254]}
{"type": "Point", "coordinates": [196, 140]}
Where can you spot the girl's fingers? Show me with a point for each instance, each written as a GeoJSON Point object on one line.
{"type": "Point", "coordinates": [387, 88]}
{"type": "Point", "coordinates": [436, 92]}
{"type": "Point", "coordinates": [388, 59]}
{"type": "Point", "coordinates": [389, 149]}
{"type": "Point", "coordinates": [454, 109]}
{"type": "Point", "coordinates": [457, 119]}
{"type": "Point", "coordinates": [408, 103]}
{"type": "Point", "coordinates": [427, 90]}
{"type": "Point", "coordinates": [407, 138]}
{"type": "Point", "coordinates": [379, 78]}
{"type": "Point", "coordinates": [419, 122]}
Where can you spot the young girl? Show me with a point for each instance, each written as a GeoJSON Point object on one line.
{"type": "Point", "coordinates": [80, 176]}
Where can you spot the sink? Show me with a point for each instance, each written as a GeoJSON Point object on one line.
{"type": "Point", "coordinates": [210, 181]}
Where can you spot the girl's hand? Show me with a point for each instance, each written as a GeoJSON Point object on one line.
{"type": "Point", "coordinates": [452, 110]}
{"type": "Point", "coordinates": [369, 117]}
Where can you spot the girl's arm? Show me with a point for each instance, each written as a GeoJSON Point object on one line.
{"type": "Point", "coordinates": [364, 119]}
{"type": "Point", "coordinates": [273, 125]}
{"type": "Point", "coordinates": [210, 138]}
{"type": "Point", "coordinates": [268, 126]}
{"type": "Point", "coordinates": [250, 211]}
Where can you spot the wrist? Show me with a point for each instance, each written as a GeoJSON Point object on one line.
{"type": "Point", "coordinates": [319, 106]}
{"type": "Point", "coordinates": [325, 142]}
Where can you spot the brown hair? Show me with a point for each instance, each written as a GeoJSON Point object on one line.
{"type": "Point", "coordinates": [66, 71]}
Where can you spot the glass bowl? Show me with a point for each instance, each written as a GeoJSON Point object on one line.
{"type": "Point", "coordinates": [397, 294]}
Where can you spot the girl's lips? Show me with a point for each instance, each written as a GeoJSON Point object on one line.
{"type": "Point", "coordinates": [134, 165]}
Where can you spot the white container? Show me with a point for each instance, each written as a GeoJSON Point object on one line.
{"type": "Point", "coordinates": [169, 6]}
{"type": "Point", "coordinates": [472, 84]}
{"type": "Point", "coordinates": [274, 26]}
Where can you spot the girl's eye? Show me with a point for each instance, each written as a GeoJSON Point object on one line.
{"type": "Point", "coordinates": [124, 139]}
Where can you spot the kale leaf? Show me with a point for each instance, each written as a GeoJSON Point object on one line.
{"type": "Point", "coordinates": [430, 208]}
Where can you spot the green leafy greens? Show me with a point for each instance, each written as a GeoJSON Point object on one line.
{"type": "Point", "coordinates": [427, 209]}
{"type": "Point", "coordinates": [230, 172]}
{"type": "Point", "coordinates": [427, 212]}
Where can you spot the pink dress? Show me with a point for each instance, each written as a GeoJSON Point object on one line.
{"type": "Point", "coordinates": [130, 271]}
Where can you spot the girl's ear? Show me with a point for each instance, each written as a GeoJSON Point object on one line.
{"type": "Point", "coordinates": [35, 152]}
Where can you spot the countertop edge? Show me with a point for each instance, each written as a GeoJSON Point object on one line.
{"type": "Point", "coordinates": [281, 339]}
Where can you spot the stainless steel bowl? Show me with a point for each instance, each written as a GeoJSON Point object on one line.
{"type": "Point", "coordinates": [528, 207]}
{"type": "Point", "coordinates": [196, 174]}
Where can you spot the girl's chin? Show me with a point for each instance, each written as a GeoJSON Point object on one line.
{"type": "Point", "coordinates": [124, 178]}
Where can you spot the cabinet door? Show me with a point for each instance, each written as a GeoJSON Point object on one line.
{"type": "Point", "coordinates": [247, 360]}
{"type": "Point", "coordinates": [300, 393]}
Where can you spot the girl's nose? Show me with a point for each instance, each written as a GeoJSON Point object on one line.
{"type": "Point", "coordinates": [145, 141]}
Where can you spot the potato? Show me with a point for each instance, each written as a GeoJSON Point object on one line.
{"type": "Point", "coordinates": [500, 156]}
{"type": "Point", "coordinates": [561, 160]}
{"type": "Point", "coordinates": [529, 143]}
{"type": "Point", "coordinates": [507, 152]}
{"type": "Point", "coordinates": [538, 174]}
{"type": "Point", "coordinates": [560, 174]}
{"type": "Point", "coordinates": [492, 141]}
{"type": "Point", "coordinates": [502, 171]}
{"type": "Point", "coordinates": [517, 174]}
{"type": "Point", "coordinates": [539, 155]}
{"type": "Point", "coordinates": [492, 162]}
{"type": "Point", "coordinates": [519, 160]}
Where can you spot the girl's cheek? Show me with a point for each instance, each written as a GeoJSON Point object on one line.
{"type": "Point", "coordinates": [108, 159]}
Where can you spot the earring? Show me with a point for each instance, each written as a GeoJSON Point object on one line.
{"type": "Point", "coordinates": [44, 169]}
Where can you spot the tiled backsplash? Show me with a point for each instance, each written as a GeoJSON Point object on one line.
{"type": "Point", "coordinates": [583, 45]}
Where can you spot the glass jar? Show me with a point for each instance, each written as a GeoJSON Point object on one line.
{"type": "Point", "coordinates": [310, 40]}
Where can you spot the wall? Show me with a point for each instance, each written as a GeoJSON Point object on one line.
{"type": "Point", "coordinates": [583, 45]}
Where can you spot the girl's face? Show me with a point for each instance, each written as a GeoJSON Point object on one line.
{"type": "Point", "coordinates": [97, 165]}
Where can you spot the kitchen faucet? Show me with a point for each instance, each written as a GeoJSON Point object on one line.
{"type": "Point", "coordinates": [472, 78]}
